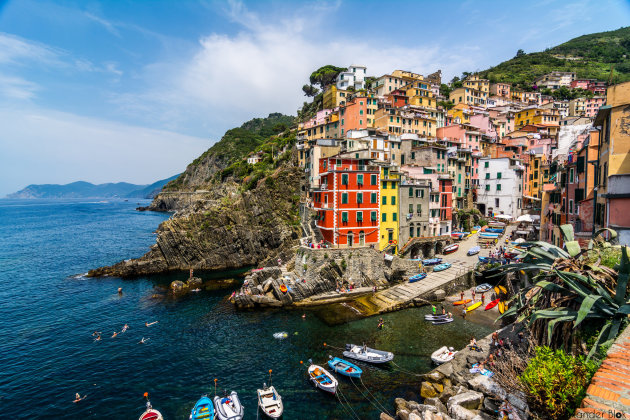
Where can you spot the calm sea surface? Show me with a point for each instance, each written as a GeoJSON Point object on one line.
{"type": "Point", "coordinates": [48, 312]}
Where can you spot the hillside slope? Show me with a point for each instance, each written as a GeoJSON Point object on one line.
{"type": "Point", "coordinates": [589, 56]}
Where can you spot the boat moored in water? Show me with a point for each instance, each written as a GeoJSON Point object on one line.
{"type": "Point", "coordinates": [228, 407]}
{"type": "Point", "coordinates": [151, 413]}
{"type": "Point", "coordinates": [344, 367]}
{"type": "Point", "coordinates": [322, 379]}
{"type": "Point", "coordinates": [203, 409]}
{"type": "Point", "coordinates": [270, 402]}
{"type": "Point", "coordinates": [366, 354]}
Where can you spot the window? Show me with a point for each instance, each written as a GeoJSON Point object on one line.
{"type": "Point", "coordinates": [570, 206]}
{"type": "Point", "coordinates": [410, 208]}
{"type": "Point", "coordinates": [393, 201]}
{"type": "Point", "coordinates": [373, 179]}
{"type": "Point", "coordinates": [496, 203]}
{"type": "Point", "coordinates": [344, 198]}
{"type": "Point", "coordinates": [344, 216]}
{"type": "Point", "coordinates": [498, 175]}
{"type": "Point", "coordinates": [394, 217]}
{"type": "Point", "coordinates": [411, 231]}
{"type": "Point", "coordinates": [384, 185]}
{"type": "Point", "coordinates": [359, 216]}
{"type": "Point", "coordinates": [498, 187]}
{"type": "Point", "coordinates": [486, 165]}
{"type": "Point", "coordinates": [383, 217]}
{"type": "Point", "coordinates": [373, 198]}
{"type": "Point", "coordinates": [571, 176]}
{"type": "Point", "coordinates": [359, 198]}
{"type": "Point", "coordinates": [360, 179]}
{"type": "Point", "coordinates": [344, 179]}
{"type": "Point", "coordinates": [410, 192]}
{"type": "Point", "coordinates": [373, 216]}
{"type": "Point", "coordinates": [419, 209]}
{"type": "Point", "coordinates": [384, 200]}
{"type": "Point", "coordinates": [488, 176]}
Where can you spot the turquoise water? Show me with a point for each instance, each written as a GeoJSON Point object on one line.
{"type": "Point", "coordinates": [48, 312]}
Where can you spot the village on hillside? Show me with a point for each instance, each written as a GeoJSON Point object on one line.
{"type": "Point", "coordinates": [395, 164]}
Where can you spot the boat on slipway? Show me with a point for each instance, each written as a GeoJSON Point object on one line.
{"type": "Point", "coordinates": [442, 267]}
{"type": "Point", "coordinates": [443, 355]}
{"type": "Point", "coordinates": [417, 277]}
{"type": "Point", "coordinates": [366, 354]}
{"type": "Point", "coordinates": [450, 248]}
{"type": "Point", "coordinates": [483, 288]}
{"type": "Point", "coordinates": [344, 367]}
{"type": "Point", "coordinates": [322, 379]}
{"type": "Point", "coordinates": [492, 304]}
{"type": "Point", "coordinates": [474, 250]}
{"type": "Point", "coordinates": [473, 306]}
{"type": "Point", "coordinates": [432, 261]}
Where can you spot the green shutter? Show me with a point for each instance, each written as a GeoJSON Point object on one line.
{"type": "Point", "coordinates": [344, 198]}
{"type": "Point", "coordinates": [344, 179]}
{"type": "Point", "coordinates": [384, 217]}
{"type": "Point", "coordinates": [359, 216]}
{"type": "Point", "coordinates": [393, 200]}
{"type": "Point", "coordinates": [360, 179]}
{"type": "Point", "coordinates": [373, 198]}
{"type": "Point", "coordinates": [373, 216]}
{"type": "Point", "coordinates": [384, 200]}
{"type": "Point", "coordinates": [410, 208]}
{"type": "Point", "coordinates": [373, 179]}
{"type": "Point", "coordinates": [394, 216]}
{"type": "Point", "coordinates": [410, 192]}
{"type": "Point", "coordinates": [344, 216]}
{"type": "Point", "coordinates": [498, 187]}
{"type": "Point", "coordinates": [498, 175]}
{"type": "Point", "coordinates": [359, 198]}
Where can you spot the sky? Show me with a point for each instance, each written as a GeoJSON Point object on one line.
{"type": "Point", "coordinates": [110, 91]}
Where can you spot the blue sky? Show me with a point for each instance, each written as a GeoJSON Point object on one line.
{"type": "Point", "coordinates": [108, 91]}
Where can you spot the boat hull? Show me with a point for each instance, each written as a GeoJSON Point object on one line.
{"type": "Point", "coordinates": [322, 379]}
{"type": "Point", "coordinates": [224, 409]}
{"type": "Point", "coordinates": [442, 267]}
{"type": "Point", "coordinates": [345, 368]}
{"type": "Point", "coordinates": [473, 306]}
{"type": "Point", "coordinates": [442, 321]}
{"type": "Point", "coordinates": [417, 277]}
{"type": "Point", "coordinates": [270, 402]}
{"type": "Point", "coordinates": [367, 354]}
{"type": "Point", "coordinates": [203, 409]}
{"type": "Point", "coordinates": [461, 302]}
{"type": "Point", "coordinates": [442, 355]}
{"type": "Point", "coordinates": [492, 304]}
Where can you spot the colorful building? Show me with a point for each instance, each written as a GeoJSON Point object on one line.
{"type": "Point", "coordinates": [347, 201]}
{"type": "Point", "coordinates": [389, 209]}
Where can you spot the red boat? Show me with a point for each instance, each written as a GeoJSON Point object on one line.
{"type": "Point", "coordinates": [451, 248]}
{"type": "Point", "coordinates": [492, 304]}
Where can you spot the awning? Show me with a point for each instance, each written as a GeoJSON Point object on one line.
{"type": "Point", "coordinates": [602, 114]}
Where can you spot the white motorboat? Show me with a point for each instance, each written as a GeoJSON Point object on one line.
{"type": "Point", "coordinates": [270, 402]}
{"type": "Point", "coordinates": [443, 355]}
{"type": "Point", "coordinates": [228, 407]}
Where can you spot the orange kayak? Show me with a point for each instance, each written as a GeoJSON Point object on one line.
{"type": "Point", "coordinates": [462, 302]}
{"type": "Point", "coordinates": [283, 288]}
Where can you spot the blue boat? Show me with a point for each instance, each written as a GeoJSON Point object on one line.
{"type": "Point", "coordinates": [417, 277]}
{"type": "Point", "coordinates": [432, 261]}
{"type": "Point", "coordinates": [474, 250]}
{"type": "Point", "coordinates": [203, 409]}
{"type": "Point", "coordinates": [486, 260]}
{"type": "Point", "coordinates": [442, 267]}
{"type": "Point", "coordinates": [345, 368]}
{"type": "Point", "coordinates": [488, 235]}
{"type": "Point", "coordinates": [494, 230]}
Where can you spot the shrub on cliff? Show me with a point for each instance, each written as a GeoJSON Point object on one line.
{"type": "Point", "coordinates": [556, 382]}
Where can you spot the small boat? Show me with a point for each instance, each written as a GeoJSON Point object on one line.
{"type": "Point", "coordinates": [435, 317]}
{"type": "Point", "coordinates": [488, 235]}
{"type": "Point", "coordinates": [443, 355]}
{"type": "Point", "coordinates": [366, 354]}
{"type": "Point", "coordinates": [497, 290]}
{"type": "Point", "coordinates": [270, 402]}
{"type": "Point", "coordinates": [442, 321]}
{"type": "Point", "coordinates": [483, 288]}
{"type": "Point", "coordinates": [473, 306]}
{"type": "Point", "coordinates": [442, 267]}
{"type": "Point", "coordinates": [280, 335]}
{"type": "Point", "coordinates": [432, 261]}
{"type": "Point", "coordinates": [322, 379]}
{"type": "Point", "coordinates": [203, 409]}
{"type": "Point", "coordinates": [461, 302]}
{"type": "Point", "coordinates": [283, 288]}
{"type": "Point", "coordinates": [474, 250]}
{"type": "Point", "coordinates": [228, 407]}
{"type": "Point", "coordinates": [457, 235]}
{"type": "Point", "coordinates": [450, 248]}
{"type": "Point", "coordinates": [476, 228]}
{"type": "Point", "coordinates": [502, 289]}
{"type": "Point", "coordinates": [417, 277]}
{"type": "Point", "coordinates": [344, 367]}
{"type": "Point", "coordinates": [494, 230]}
{"type": "Point", "coordinates": [502, 307]}
{"type": "Point", "coordinates": [151, 413]}
{"type": "Point", "coordinates": [492, 304]}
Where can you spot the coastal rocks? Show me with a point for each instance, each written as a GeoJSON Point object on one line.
{"type": "Point", "coordinates": [427, 390]}
{"type": "Point", "coordinates": [457, 412]}
{"type": "Point", "coordinates": [179, 287]}
{"type": "Point", "coordinates": [470, 400]}
{"type": "Point", "coordinates": [386, 417]}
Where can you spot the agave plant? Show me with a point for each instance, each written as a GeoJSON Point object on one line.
{"type": "Point", "coordinates": [570, 292]}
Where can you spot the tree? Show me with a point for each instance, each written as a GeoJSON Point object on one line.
{"type": "Point", "coordinates": [310, 90]}
{"type": "Point", "coordinates": [445, 90]}
{"type": "Point", "coordinates": [520, 53]}
{"type": "Point", "coordinates": [325, 75]}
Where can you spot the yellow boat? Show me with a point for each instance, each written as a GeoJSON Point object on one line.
{"type": "Point", "coordinates": [502, 307]}
{"type": "Point", "coordinates": [503, 289]}
{"type": "Point", "coordinates": [497, 290]}
{"type": "Point", "coordinates": [473, 306]}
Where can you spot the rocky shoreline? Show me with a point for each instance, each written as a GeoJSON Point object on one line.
{"type": "Point", "coordinates": [451, 391]}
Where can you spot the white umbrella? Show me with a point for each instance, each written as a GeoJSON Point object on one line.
{"type": "Point", "coordinates": [525, 218]}
{"type": "Point", "coordinates": [503, 216]}
{"type": "Point", "coordinates": [519, 240]}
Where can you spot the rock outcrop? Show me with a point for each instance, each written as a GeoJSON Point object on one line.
{"type": "Point", "coordinates": [237, 230]}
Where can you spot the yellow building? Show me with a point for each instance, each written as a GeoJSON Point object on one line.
{"type": "Point", "coordinates": [390, 181]}
{"type": "Point", "coordinates": [481, 85]}
{"type": "Point", "coordinates": [462, 111]}
{"type": "Point", "coordinates": [468, 96]}
{"type": "Point", "coordinates": [420, 94]}
{"type": "Point", "coordinates": [535, 115]}
{"type": "Point", "coordinates": [334, 97]}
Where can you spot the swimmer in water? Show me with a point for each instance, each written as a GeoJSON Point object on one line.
{"type": "Point", "coordinates": [303, 316]}
{"type": "Point", "coordinates": [78, 397]}
{"type": "Point", "coordinates": [114, 335]}
{"type": "Point", "coordinates": [148, 324]}
{"type": "Point", "coordinates": [125, 328]}
{"type": "Point", "coordinates": [144, 340]}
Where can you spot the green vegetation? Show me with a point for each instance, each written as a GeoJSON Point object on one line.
{"type": "Point", "coordinates": [556, 382]}
{"type": "Point", "coordinates": [589, 56]}
{"type": "Point", "coordinates": [573, 296]}
{"type": "Point", "coordinates": [322, 77]}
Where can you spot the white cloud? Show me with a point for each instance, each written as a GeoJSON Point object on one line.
{"type": "Point", "coordinates": [42, 146]}
{"type": "Point", "coordinates": [16, 50]}
{"type": "Point", "coordinates": [17, 88]}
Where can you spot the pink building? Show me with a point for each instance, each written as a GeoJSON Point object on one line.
{"type": "Point", "coordinates": [483, 123]}
{"type": "Point", "coordinates": [580, 84]}
{"type": "Point", "coordinates": [319, 118]}
{"type": "Point", "coordinates": [591, 105]}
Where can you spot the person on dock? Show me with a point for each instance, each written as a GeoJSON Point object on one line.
{"type": "Point", "coordinates": [443, 310]}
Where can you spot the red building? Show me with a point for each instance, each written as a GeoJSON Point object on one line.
{"type": "Point", "coordinates": [446, 198]}
{"type": "Point", "coordinates": [347, 202]}
{"type": "Point", "coordinates": [397, 98]}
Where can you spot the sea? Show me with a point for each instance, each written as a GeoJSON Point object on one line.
{"type": "Point", "coordinates": [200, 344]}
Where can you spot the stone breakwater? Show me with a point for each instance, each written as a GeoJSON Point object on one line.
{"type": "Point", "coordinates": [452, 392]}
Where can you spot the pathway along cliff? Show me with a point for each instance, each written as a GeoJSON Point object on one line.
{"type": "Point", "coordinates": [228, 214]}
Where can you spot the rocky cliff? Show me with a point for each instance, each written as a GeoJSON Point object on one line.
{"type": "Point", "coordinates": [229, 214]}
